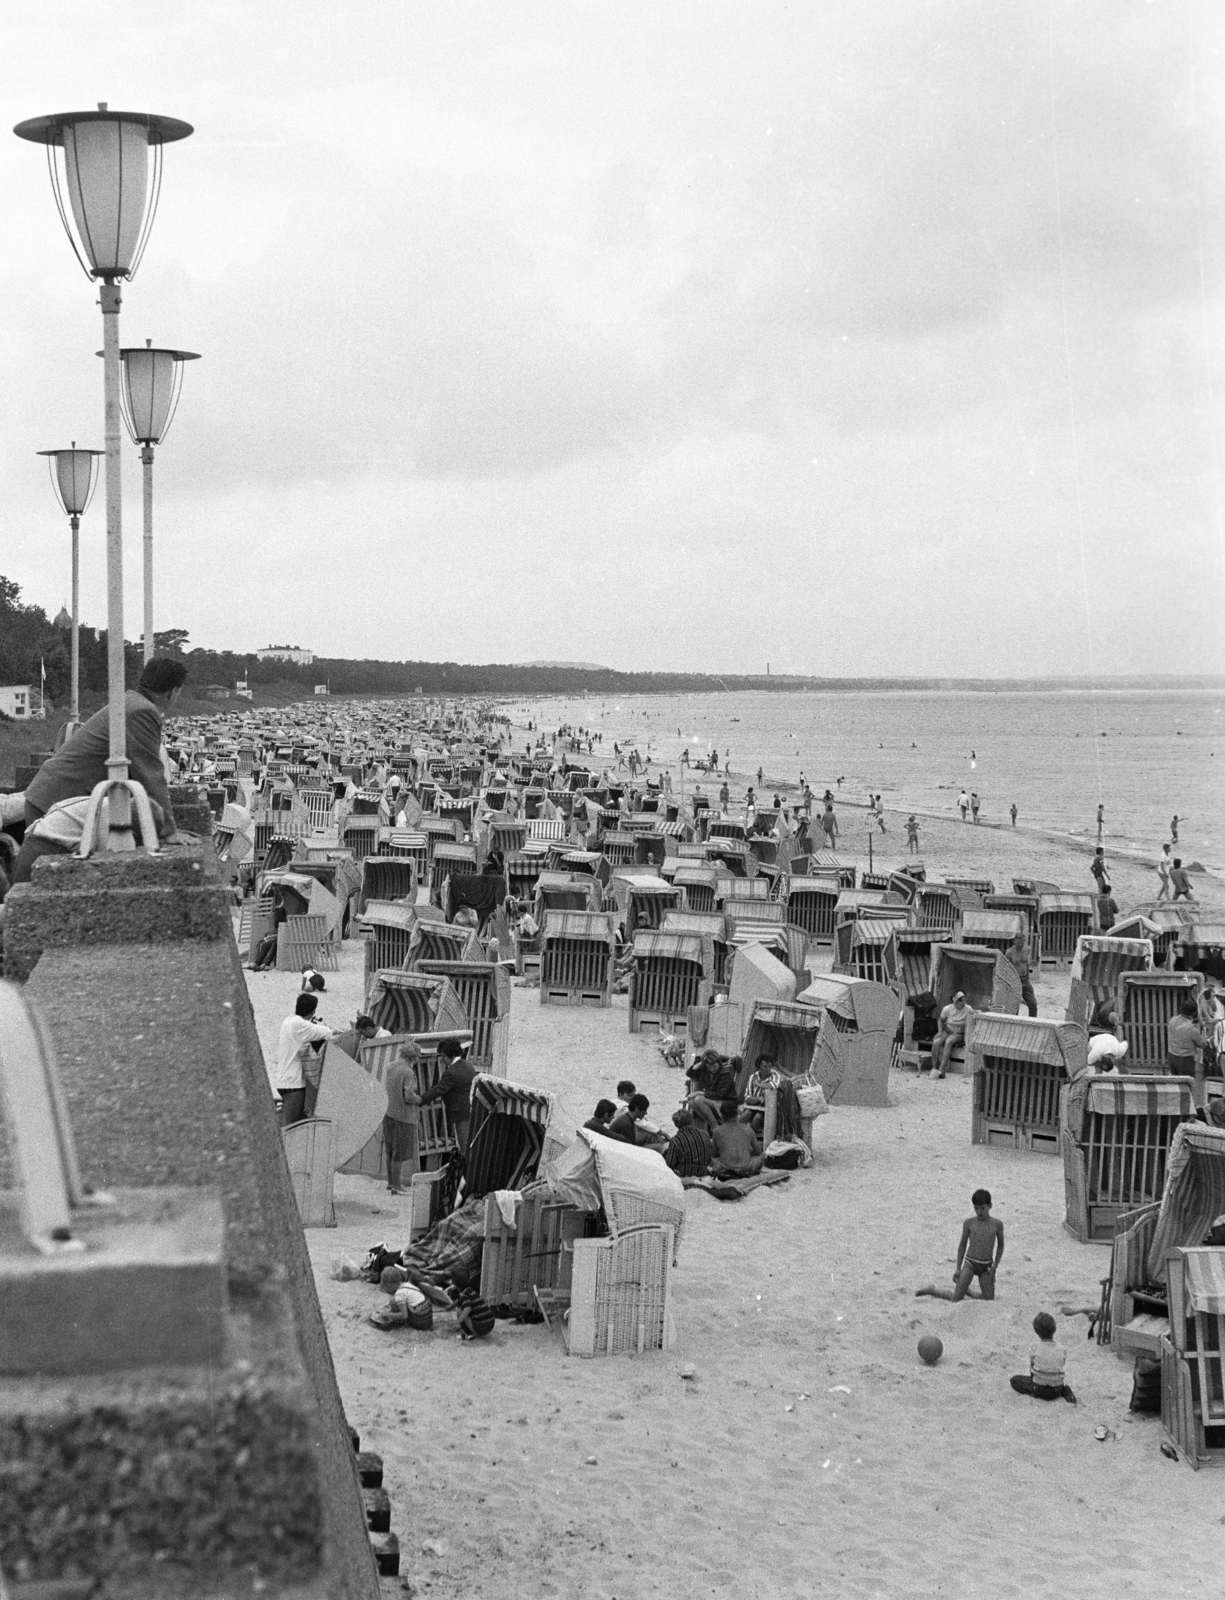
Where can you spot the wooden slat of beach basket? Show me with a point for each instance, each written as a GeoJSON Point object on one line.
{"type": "Point", "coordinates": [576, 971]}
{"type": "Point", "coordinates": [1016, 1103]}
{"type": "Point", "coordinates": [662, 988]}
{"type": "Point", "coordinates": [303, 942]}
{"type": "Point", "coordinates": [620, 1293]}
{"type": "Point", "coordinates": [1147, 1001]}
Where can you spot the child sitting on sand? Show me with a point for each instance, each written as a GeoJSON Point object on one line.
{"type": "Point", "coordinates": [1044, 1380]}
{"type": "Point", "coordinates": [978, 1254]}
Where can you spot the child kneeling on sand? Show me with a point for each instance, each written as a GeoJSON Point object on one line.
{"type": "Point", "coordinates": [978, 1254]}
{"type": "Point", "coordinates": [1047, 1362]}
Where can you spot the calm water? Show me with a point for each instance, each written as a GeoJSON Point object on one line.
{"type": "Point", "coordinates": [1143, 754]}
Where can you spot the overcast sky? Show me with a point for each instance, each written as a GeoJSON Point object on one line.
{"type": "Point", "coordinates": [869, 338]}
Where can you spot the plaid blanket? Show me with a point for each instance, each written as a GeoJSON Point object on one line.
{"type": "Point", "coordinates": [451, 1251]}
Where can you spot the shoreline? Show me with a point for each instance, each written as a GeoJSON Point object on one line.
{"type": "Point", "coordinates": [1082, 846]}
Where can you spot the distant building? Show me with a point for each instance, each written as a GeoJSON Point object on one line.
{"type": "Point", "coordinates": [62, 619]}
{"type": "Point", "coordinates": [286, 652]}
{"type": "Point", "coordinates": [241, 690]}
{"type": "Point", "coordinates": [214, 691]}
{"type": "Point", "coordinates": [16, 701]}
{"type": "Point", "coordinates": [321, 688]}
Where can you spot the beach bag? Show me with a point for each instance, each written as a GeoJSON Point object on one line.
{"type": "Point", "coordinates": [377, 1257]}
{"type": "Point", "coordinates": [786, 1155]}
{"type": "Point", "coordinates": [1146, 1384]}
{"type": "Point", "coordinates": [812, 1100]}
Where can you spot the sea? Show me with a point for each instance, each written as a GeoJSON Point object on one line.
{"type": "Point", "coordinates": [1143, 754]}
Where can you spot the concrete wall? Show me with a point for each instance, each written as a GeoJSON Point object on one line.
{"type": "Point", "coordinates": [185, 1482]}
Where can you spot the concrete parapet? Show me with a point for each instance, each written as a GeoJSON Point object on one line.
{"type": "Point", "coordinates": [145, 1271]}
{"type": "Point", "coordinates": [114, 899]}
{"type": "Point", "coordinates": [191, 811]}
{"type": "Point", "coordinates": [190, 1482]}
{"type": "Point", "coordinates": [222, 1477]}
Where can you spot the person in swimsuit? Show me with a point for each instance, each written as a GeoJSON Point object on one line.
{"type": "Point", "coordinates": [978, 1254]}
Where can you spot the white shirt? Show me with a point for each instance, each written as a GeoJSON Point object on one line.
{"type": "Point", "coordinates": [296, 1034]}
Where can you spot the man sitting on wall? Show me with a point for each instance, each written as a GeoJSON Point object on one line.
{"type": "Point", "coordinates": [56, 801]}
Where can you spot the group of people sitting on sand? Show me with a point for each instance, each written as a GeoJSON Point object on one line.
{"type": "Point", "coordinates": [718, 1128]}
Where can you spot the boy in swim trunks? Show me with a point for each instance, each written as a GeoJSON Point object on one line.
{"type": "Point", "coordinates": [978, 1254]}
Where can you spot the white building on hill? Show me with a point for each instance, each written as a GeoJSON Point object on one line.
{"type": "Point", "coordinates": [286, 652]}
{"type": "Point", "coordinates": [16, 701]}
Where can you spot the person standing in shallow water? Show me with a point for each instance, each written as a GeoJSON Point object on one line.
{"type": "Point", "coordinates": [829, 827]}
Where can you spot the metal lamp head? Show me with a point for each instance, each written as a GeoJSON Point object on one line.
{"type": "Point", "coordinates": [111, 183]}
{"type": "Point", "coordinates": [74, 476]}
{"type": "Point", "coordinates": [152, 380]}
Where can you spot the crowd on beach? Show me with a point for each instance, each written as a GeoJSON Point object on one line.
{"type": "Point", "coordinates": [729, 1124]}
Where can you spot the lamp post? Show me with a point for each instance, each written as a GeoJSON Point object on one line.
{"type": "Point", "coordinates": [102, 159]}
{"type": "Point", "coordinates": [74, 477]}
{"type": "Point", "coordinates": [152, 380]}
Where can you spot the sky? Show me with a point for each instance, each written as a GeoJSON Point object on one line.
{"type": "Point", "coordinates": [878, 338]}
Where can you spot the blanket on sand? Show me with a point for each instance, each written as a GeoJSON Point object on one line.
{"type": "Point", "coordinates": [734, 1188]}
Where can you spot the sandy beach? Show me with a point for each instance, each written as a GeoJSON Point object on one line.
{"type": "Point", "coordinates": [811, 1452]}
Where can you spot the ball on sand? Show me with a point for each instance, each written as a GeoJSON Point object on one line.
{"type": "Point", "coordinates": [930, 1349]}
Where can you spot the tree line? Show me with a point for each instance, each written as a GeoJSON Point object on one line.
{"type": "Point", "coordinates": [29, 638]}
{"type": "Point", "coordinates": [30, 641]}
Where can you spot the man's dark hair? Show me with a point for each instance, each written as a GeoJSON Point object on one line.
{"type": "Point", "coordinates": [450, 1050]}
{"type": "Point", "coordinates": [162, 674]}
{"type": "Point", "coordinates": [1189, 1008]}
{"type": "Point", "coordinates": [604, 1109]}
{"type": "Point", "coordinates": [1044, 1325]}
{"type": "Point", "coordinates": [306, 1004]}
{"type": "Point", "coordinates": [981, 1197]}
{"type": "Point", "coordinates": [363, 1021]}
{"type": "Point", "coordinates": [1178, 861]}
{"type": "Point", "coordinates": [639, 1105]}
{"type": "Point", "coordinates": [625, 1088]}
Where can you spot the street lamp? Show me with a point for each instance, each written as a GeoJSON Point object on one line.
{"type": "Point", "coordinates": [74, 477]}
{"type": "Point", "coordinates": [112, 189]}
{"type": "Point", "coordinates": [152, 380]}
